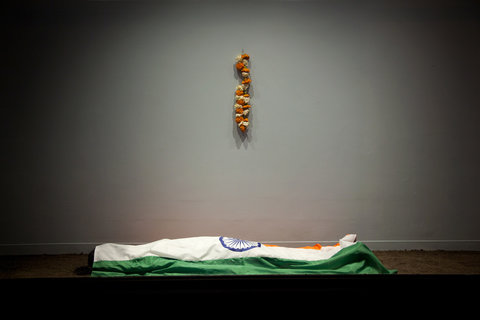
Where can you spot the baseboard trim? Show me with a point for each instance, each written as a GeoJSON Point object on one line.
{"type": "Point", "coordinates": [453, 244]}
{"type": "Point", "coordinates": [86, 247]}
{"type": "Point", "coordinates": [47, 248]}
{"type": "Point", "coordinates": [419, 244]}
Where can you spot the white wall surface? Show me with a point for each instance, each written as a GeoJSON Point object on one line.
{"type": "Point", "coordinates": [117, 124]}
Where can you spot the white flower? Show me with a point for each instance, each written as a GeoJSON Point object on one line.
{"type": "Point", "coordinates": [242, 87]}
{"type": "Point", "coordinates": [237, 106]}
{"type": "Point", "coordinates": [238, 58]}
{"type": "Point", "coordinates": [245, 112]}
{"type": "Point", "coordinates": [238, 115]}
{"type": "Point", "coordinates": [245, 74]}
{"type": "Point", "coordinates": [246, 99]}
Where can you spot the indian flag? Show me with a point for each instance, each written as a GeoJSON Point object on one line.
{"type": "Point", "coordinates": [230, 256]}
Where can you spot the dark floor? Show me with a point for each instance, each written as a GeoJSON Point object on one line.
{"type": "Point", "coordinates": [406, 262]}
{"type": "Point", "coordinates": [431, 262]}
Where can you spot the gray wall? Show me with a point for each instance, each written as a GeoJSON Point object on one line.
{"type": "Point", "coordinates": [117, 124]}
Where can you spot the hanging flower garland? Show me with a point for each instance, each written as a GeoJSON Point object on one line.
{"type": "Point", "coordinates": [242, 98]}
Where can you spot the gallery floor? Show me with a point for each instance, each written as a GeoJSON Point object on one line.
{"type": "Point", "coordinates": [406, 262]}
{"type": "Point", "coordinates": [441, 275]}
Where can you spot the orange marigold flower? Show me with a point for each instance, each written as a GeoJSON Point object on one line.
{"type": "Point", "coordinates": [245, 56]}
{"type": "Point", "coordinates": [239, 92]}
{"type": "Point", "coordinates": [238, 119]}
{"type": "Point", "coordinates": [246, 106]}
{"type": "Point", "coordinates": [242, 127]}
{"type": "Point", "coordinates": [240, 101]}
{"type": "Point", "coordinates": [245, 70]}
{"type": "Point", "coordinates": [248, 80]}
{"type": "Point", "coordinates": [239, 110]}
{"type": "Point", "coordinates": [240, 65]}
{"type": "Point", "coordinates": [246, 95]}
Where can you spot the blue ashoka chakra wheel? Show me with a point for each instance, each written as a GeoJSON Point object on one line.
{"type": "Point", "coordinates": [238, 245]}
